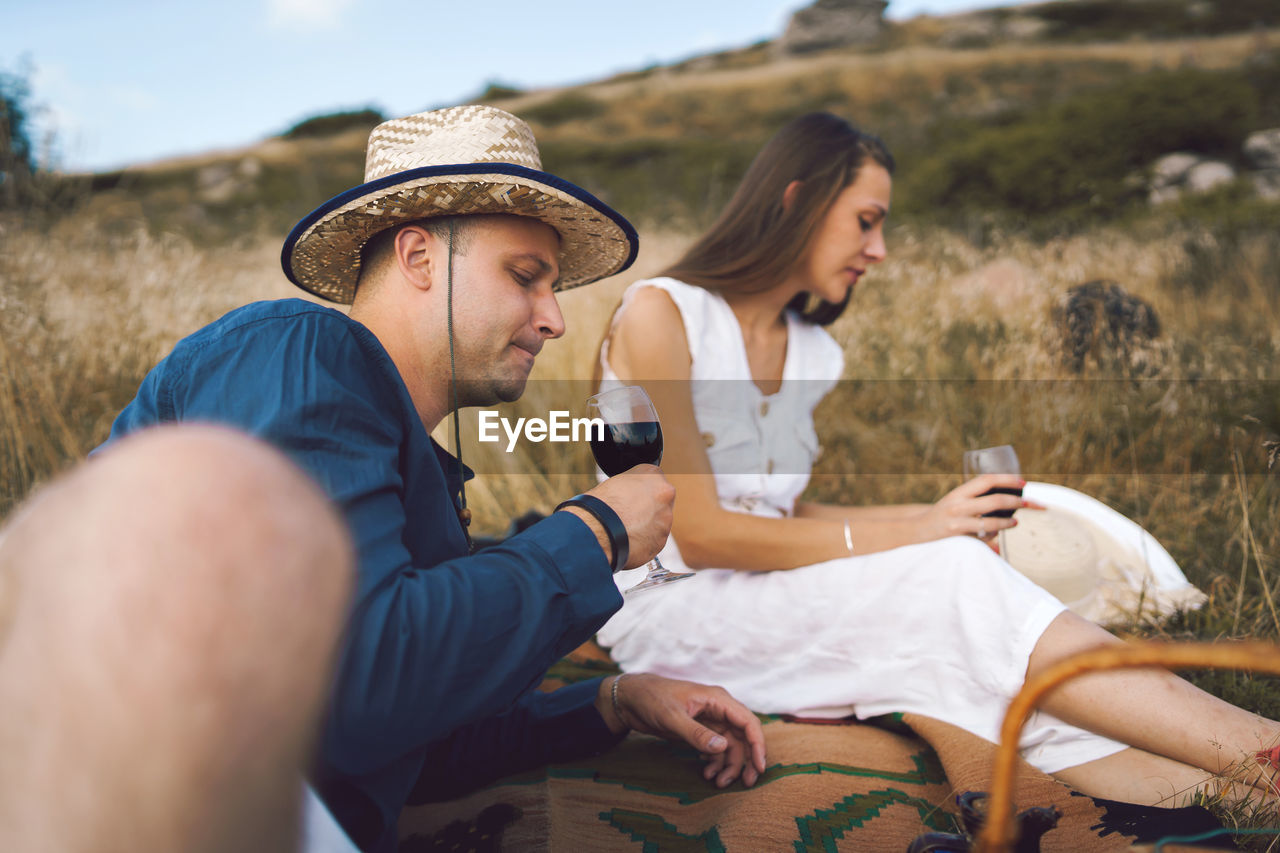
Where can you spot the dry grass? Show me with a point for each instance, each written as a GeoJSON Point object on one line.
{"type": "Point", "coordinates": [79, 329]}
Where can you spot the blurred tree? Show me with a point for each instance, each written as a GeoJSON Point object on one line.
{"type": "Point", "coordinates": [29, 154]}
{"type": "Point", "coordinates": [17, 154]}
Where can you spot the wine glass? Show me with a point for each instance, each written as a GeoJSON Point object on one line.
{"type": "Point", "coordinates": [631, 436]}
{"type": "Point", "coordinates": [994, 460]}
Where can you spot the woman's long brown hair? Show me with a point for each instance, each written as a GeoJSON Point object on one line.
{"type": "Point", "coordinates": [756, 242]}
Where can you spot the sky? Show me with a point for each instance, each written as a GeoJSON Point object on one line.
{"type": "Point", "coordinates": [140, 80]}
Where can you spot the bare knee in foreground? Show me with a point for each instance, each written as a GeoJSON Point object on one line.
{"type": "Point", "coordinates": [174, 608]}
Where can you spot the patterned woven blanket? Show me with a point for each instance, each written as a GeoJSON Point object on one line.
{"type": "Point", "coordinates": [842, 786]}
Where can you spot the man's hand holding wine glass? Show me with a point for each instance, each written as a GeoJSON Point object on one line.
{"type": "Point", "coordinates": [631, 435]}
{"type": "Point", "coordinates": [643, 498]}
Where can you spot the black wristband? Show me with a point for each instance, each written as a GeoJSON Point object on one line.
{"type": "Point", "coordinates": [609, 520]}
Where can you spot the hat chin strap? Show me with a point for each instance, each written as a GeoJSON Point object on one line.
{"type": "Point", "coordinates": [464, 514]}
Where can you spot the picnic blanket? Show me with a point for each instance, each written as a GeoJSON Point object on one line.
{"type": "Point", "coordinates": [829, 786]}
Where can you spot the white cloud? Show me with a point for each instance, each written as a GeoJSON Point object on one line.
{"type": "Point", "coordinates": [307, 14]}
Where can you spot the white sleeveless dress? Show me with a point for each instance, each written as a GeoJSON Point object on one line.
{"type": "Point", "coordinates": [943, 628]}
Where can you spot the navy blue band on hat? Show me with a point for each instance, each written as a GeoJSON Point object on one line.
{"type": "Point", "coordinates": [408, 175]}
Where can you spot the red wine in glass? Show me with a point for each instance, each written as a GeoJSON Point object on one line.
{"type": "Point", "coordinates": [631, 436]}
{"type": "Point", "coordinates": [620, 447]}
{"type": "Point", "coordinates": [1001, 513]}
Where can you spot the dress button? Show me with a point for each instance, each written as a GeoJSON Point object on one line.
{"type": "Point", "coordinates": [764, 408]}
{"type": "Point", "coordinates": [708, 439]}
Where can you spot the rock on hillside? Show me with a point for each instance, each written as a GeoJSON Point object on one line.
{"type": "Point", "coordinates": [1183, 172]}
{"type": "Point", "coordinates": [986, 27]}
{"type": "Point", "coordinates": [1262, 150]}
{"type": "Point", "coordinates": [833, 23]}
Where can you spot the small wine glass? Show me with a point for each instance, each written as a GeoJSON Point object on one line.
{"type": "Point", "coordinates": [994, 460]}
{"type": "Point", "coordinates": [631, 436]}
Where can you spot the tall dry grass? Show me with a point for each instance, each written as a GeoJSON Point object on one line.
{"type": "Point", "coordinates": [84, 313]}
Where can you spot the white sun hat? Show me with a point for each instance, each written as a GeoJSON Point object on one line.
{"type": "Point", "coordinates": [1102, 565]}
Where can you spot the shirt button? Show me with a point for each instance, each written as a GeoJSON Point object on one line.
{"type": "Point", "coordinates": [708, 439]}
{"type": "Point", "coordinates": [764, 408]}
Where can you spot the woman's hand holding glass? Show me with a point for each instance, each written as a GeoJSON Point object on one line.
{"type": "Point", "coordinates": [963, 510]}
{"type": "Point", "coordinates": [998, 460]}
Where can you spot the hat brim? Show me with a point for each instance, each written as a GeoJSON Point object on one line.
{"type": "Point", "coordinates": [1105, 521]}
{"type": "Point", "coordinates": [1135, 579]}
{"type": "Point", "coordinates": [322, 252]}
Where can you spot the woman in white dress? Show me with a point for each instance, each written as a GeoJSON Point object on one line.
{"type": "Point", "coordinates": [815, 609]}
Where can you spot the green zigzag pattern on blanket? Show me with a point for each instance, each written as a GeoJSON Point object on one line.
{"type": "Point", "coordinates": [655, 777]}
{"type": "Point", "coordinates": [658, 835]}
{"type": "Point", "coordinates": [819, 831]}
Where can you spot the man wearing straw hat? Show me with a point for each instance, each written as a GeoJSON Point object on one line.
{"type": "Point", "coordinates": [450, 254]}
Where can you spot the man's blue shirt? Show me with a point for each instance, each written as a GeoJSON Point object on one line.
{"type": "Point", "coordinates": [442, 649]}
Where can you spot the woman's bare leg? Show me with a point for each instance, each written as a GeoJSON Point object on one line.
{"type": "Point", "coordinates": [1151, 709]}
{"type": "Point", "coordinates": [173, 608]}
{"type": "Point", "coordinates": [1137, 776]}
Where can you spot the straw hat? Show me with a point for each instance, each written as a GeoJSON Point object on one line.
{"type": "Point", "coordinates": [461, 160]}
{"type": "Point", "coordinates": [1102, 565]}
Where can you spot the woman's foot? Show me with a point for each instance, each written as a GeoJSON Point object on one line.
{"type": "Point", "coordinates": [1269, 760]}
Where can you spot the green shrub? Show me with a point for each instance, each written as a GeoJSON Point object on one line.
{"type": "Point", "coordinates": [653, 179]}
{"type": "Point", "coordinates": [563, 108]}
{"type": "Point", "coordinates": [1080, 154]}
{"type": "Point", "coordinates": [333, 123]}
{"type": "Point", "coordinates": [1081, 20]}
{"type": "Point", "coordinates": [1262, 70]}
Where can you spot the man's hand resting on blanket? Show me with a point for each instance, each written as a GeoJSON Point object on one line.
{"type": "Point", "coordinates": [727, 735]}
